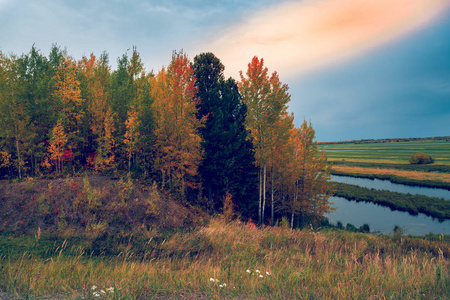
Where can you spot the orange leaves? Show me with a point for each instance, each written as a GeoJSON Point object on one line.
{"type": "Point", "coordinates": [178, 142]}
{"type": "Point", "coordinates": [311, 172]}
{"type": "Point", "coordinates": [93, 92]}
{"type": "Point", "coordinates": [58, 142]}
{"type": "Point", "coordinates": [68, 87]}
{"type": "Point", "coordinates": [106, 144]}
{"type": "Point", "coordinates": [69, 92]}
{"type": "Point", "coordinates": [131, 134]}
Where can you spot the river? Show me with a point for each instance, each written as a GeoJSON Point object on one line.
{"type": "Point", "coordinates": [393, 187]}
{"type": "Point", "coordinates": [383, 219]}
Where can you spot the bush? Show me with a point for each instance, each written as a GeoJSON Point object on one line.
{"type": "Point", "coordinates": [421, 158]}
{"type": "Point", "coordinates": [364, 228]}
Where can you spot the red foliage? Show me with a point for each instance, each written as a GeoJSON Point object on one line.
{"type": "Point", "coordinates": [90, 160]}
{"type": "Point", "coordinates": [250, 224]}
{"type": "Point", "coordinates": [68, 155]}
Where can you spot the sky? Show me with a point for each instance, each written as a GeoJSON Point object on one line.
{"type": "Point", "coordinates": [357, 69]}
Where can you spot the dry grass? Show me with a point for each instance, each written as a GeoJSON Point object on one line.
{"type": "Point", "coordinates": [363, 160]}
{"type": "Point", "coordinates": [300, 265]}
{"type": "Point", "coordinates": [416, 175]}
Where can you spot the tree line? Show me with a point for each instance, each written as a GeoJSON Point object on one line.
{"type": "Point", "coordinates": [226, 145]}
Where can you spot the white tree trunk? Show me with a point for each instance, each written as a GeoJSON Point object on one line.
{"type": "Point", "coordinates": [264, 195]}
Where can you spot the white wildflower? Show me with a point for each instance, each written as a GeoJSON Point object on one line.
{"type": "Point", "coordinates": [93, 287]}
{"type": "Point", "coordinates": [248, 271]}
{"type": "Point", "coordinates": [221, 286]}
{"type": "Point", "coordinates": [96, 294]}
{"type": "Point", "coordinates": [260, 276]}
{"type": "Point", "coordinates": [110, 289]}
{"type": "Point", "coordinates": [268, 273]}
{"type": "Point", "coordinates": [257, 271]}
{"type": "Point", "coordinates": [103, 292]}
{"type": "Point", "coordinates": [224, 284]}
{"type": "Point", "coordinates": [211, 279]}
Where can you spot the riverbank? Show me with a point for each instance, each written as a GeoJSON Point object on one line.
{"type": "Point", "coordinates": [227, 261]}
{"type": "Point", "coordinates": [389, 160]}
{"type": "Point", "coordinates": [431, 206]}
{"type": "Point", "coordinates": [413, 178]}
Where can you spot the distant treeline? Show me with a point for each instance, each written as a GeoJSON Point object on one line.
{"type": "Point", "coordinates": [373, 141]}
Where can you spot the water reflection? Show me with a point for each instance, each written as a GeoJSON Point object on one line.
{"type": "Point", "coordinates": [382, 219]}
{"type": "Point", "coordinates": [393, 187]}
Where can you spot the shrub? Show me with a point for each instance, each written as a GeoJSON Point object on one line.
{"type": "Point", "coordinates": [364, 228]}
{"type": "Point", "coordinates": [421, 158]}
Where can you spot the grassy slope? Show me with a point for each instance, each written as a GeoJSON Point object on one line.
{"type": "Point", "coordinates": [136, 241]}
{"type": "Point", "coordinates": [300, 264]}
{"type": "Point", "coordinates": [96, 205]}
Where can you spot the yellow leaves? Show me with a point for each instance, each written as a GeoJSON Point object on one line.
{"type": "Point", "coordinates": [5, 159]}
{"type": "Point", "coordinates": [228, 208]}
{"type": "Point", "coordinates": [105, 157]}
{"type": "Point", "coordinates": [68, 90]}
{"type": "Point", "coordinates": [56, 147]}
{"type": "Point", "coordinates": [132, 124]}
{"type": "Point", "coordinates": [177, 140]}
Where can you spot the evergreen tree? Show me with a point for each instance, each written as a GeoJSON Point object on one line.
{"type": "Point", "coordinates": [17, 132]}
{"type": "Point", "coordinates": [228, 164]}
{"type": "Point", "coordinates": [38, 86]}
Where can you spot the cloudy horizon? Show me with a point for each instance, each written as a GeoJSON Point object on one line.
{"type": "Point", "coordinates": [356, 70]}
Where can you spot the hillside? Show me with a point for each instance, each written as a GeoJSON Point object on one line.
{"type": "Point", "coordinates": [90, 205]}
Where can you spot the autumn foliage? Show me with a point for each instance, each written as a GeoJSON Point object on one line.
{"type": "Point", "coordinates": [227, 146]}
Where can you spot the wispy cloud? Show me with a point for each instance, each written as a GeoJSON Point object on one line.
{"type": "Point", "coordinates": [298, 37]}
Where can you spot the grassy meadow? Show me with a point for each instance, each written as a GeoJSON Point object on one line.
{"type": "Point", "coordinates": [388, 152]}
{"type": "Point", "coordinates": [390, 160]}
{"type": "Point", "coordinates": [228, 261]}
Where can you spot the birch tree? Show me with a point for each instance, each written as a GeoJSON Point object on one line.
{"type": "Point", "coordinates": [266, 98]}
{"type": "Point", "coordinates": [312, 176]}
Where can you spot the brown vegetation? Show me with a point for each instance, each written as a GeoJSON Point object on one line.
{"type": "Point", "coordinates": [91, 205]}
{"type": "Point", "coordinates": [442, 177]}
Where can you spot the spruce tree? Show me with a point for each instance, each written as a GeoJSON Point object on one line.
{"type": "Point", "coordinates": [228, 164]}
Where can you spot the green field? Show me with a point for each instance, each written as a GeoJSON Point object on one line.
{"type": "Point", "coordinates": [389, 152]}
{"type": "Point", "coordinates": [389, 160]}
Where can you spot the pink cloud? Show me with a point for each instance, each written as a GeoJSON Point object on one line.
{"type": "Point", "coordinates": [295, 38]}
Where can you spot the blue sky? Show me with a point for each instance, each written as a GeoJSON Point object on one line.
{"type": "Point", "coordinates": [394, 82]}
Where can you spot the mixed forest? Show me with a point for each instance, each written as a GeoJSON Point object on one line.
{"type": "Point", "coordinates": [217, 143]}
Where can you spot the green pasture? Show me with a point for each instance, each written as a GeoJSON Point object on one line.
{"type": "Point", "coordinates": [390, 152]}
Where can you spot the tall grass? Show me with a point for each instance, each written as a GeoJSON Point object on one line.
{"type": "Point", "coordinates": [231, 260]}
